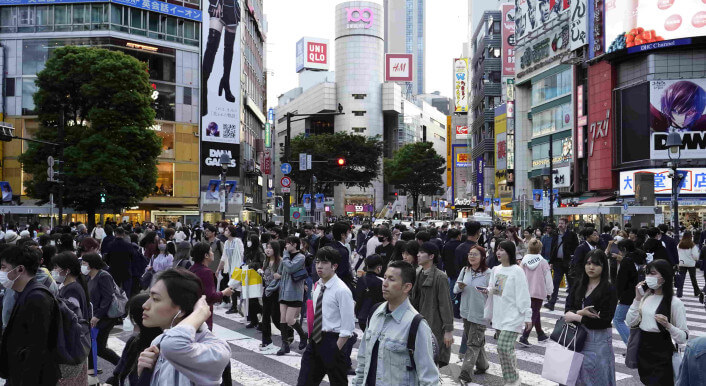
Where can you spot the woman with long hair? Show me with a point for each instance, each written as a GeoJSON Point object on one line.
{"type": "Point", "coordinates": [186, 352]}
{"type": "Point", "coordinates": [520, 247]}
{"type": "Point", "coordinates": [662, 319]}
{"type": "Point", "coordinates": [475, 274]}
{"type": "Point", "coordinates": [254, 258]}
{"type": "Point", "coordinates": [411, 249]}
{"type": "Point", "coordinates": [591, 303]}
{"type": "Point", "coordinates": [73, 290]}
{"type": "Point", "coordinates": [149, 244]}
{"type": "Point", "coordinates": [291, 293]}
{"type": "Point", "coordinates": [688, 256]}
{"type": "Point", "coordinates": [629, 262]}
{"type": "Point", "coordinates": [511, 308]}
{"type": "Point", "coordinates": [270, 309]}
{"type": "Point", "coordinates": [233, 257]}
{"type": "Point", "coordinates": [125, 373]}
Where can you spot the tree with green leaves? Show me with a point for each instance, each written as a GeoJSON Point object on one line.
{"type": "Point", "coordinates": [416, 169]}
{"type": "Point", "coordinates": [104, 99]}
{"type": "Point", "coordinates": [362, 155]}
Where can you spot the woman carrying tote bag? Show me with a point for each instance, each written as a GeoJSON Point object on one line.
{"type": "Point", "coordinates": [592, 303]}
{"type": "Point", "coordinates": [662, 319]}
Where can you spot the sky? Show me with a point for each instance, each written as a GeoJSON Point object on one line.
{"type": "Point", "coordinates": [288, 21]}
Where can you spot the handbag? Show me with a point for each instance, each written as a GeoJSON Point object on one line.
{"type": "Point", "coordinates": [569, 335]}
{"type": "Point", "coordinates": [633, 348]}
{"type": "Point", "coordinates": [146, 278]}
{"type": "Point", "coordinates": [677, 357]}
{"type": "Point", "coordinates": [300, 274]}
{"type": "Point", "coordinates": [561, 365]}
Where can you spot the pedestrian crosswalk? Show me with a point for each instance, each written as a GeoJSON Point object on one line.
{"type": "Point", "coordinates": [251, 366]}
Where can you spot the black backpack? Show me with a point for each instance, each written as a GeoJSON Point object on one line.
{"type": "Point", "coordinates": [72, 331]}
{"type": "Point", "coordinates": [412, 338]}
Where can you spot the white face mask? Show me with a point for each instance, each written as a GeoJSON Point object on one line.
{"type": "Point", "coordinates": [220, 230]}
{"type": "Point", "coordinates": [349, 238]}
{"type": "Point", "coordinates": [652, 282]}
{"type": "Point", "coordinates": [5, 281]}
{"type": "Point", "coordinates": [249, 244]}
{"type": "Point", "coordinates": [85, 269]}
{"type": "Point", "coordinates": [58, 277]}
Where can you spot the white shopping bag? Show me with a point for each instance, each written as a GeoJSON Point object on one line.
{"type": "Point", "coordinates": [561, 365]}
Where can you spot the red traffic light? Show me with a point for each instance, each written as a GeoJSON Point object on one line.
{"type": "Point", "coordinates": [341, 161]}
{"type": "Point", "coordinates": [395, 194]}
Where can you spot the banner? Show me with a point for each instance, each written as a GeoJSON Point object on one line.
{"type": "Point", "coordinates": [678, 106]}
{"type": "Point", "coordinates": [694, 181]}
{"type": "Point", "coordinates": [461, 85]}
{"type": "Point", "coordinates": [496, 204]}
{"type": "Point", "coordinates": [220, 72]}
{"type": "Point", "coordinates": [537, 198]}
{"type": "Point", "coordinates": [487, 205]}
{"type": "Point", "coordinates": [319, 201]}
{"type": "Point", "coordinates": [531, 15]}
{"type": "Point", "coordinates": [212, 192]}
{"type": "Point", "coordinates": [578, 23]}
{"type": "Point", "coordinates": [508, 39]}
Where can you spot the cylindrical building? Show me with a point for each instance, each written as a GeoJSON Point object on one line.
{"type": "Point", "coordinates": [360, 54]}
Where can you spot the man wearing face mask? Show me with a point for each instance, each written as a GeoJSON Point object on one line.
{"type": "Point", "coordinates": [26, 357]}
{"type": "Point", "coordinates": [342, 235]}
{"type": "Point", "coordinates": [385, 249]}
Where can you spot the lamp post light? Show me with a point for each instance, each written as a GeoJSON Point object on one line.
{"type": "Point", "coordinates": [225, 163]}
{"type": "Point", "coordinates": [674, 144]}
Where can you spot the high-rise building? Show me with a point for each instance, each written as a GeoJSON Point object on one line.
{"type": "Point", "coordinates": [405, 32]}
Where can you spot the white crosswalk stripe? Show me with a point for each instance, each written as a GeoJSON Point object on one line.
{"type": "Point", "coordinates": [250, 366]}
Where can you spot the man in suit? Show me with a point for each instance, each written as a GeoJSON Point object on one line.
{"type": "Point", "coordinates": [340, 232]}
{"type": "Point", "coordinates": [591, 240]}
{"type": "Point", "coordinates": [670, 243]}
{"type": "Point", "coordinates": [118, 256]}
{"type": "Point", "coordinates": [368, 291]}
{"type": "Point", "coordinates": [564, 243]}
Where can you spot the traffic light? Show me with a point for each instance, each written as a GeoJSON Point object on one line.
{"type": "Point", "coordinates": [396, 194]}
{"type": "Point", "coordinates": [52, 174]}
{"type": "Point", "coordinates": [7, 132]}
{"type": "Point", "coordinates": [102, 197]}
{"type": "Point", "coordinates": [340, 161]}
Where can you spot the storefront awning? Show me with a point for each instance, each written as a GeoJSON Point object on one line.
{"type": "Point", "coordinates": [594, 199]}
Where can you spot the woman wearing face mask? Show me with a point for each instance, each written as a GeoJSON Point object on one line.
{"type": "Point", "coordinates": [100, 291]}
{"type": "Point", "coordinates": [164, 259]}
{"type": "Point", "coordinates": [591, 302]}
{"type": "Point", "coordinates": [270, 312]}
{"type": "Point", "coordinates": [511, 307]}
{"type": "Point", "coordinates": [662, 319]}
{"type": "Point", "coordinates": [254, 257]}
{"type": "Point", "coordinates": [232, 258]}
{"type": "Point", "coordinates": [475, 275]}
{"type": "Point", "coordinates": [187, 352]}
{"type": "Point", "coordinates": [73, 290]}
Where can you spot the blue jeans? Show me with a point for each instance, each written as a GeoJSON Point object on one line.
{"type": "Point", "coordinates": [619, 321]}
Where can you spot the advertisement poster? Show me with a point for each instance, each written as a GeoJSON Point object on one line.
{"type": "Point", "coordinates": [306, 201]}
{"type": "Point", "coordinates": [398, 68]}
{"type": "Point", "coordinates": [508, 38]}
{"type": "Point", "coordinates": [532, 15]}
{"type": "Point", "coordinates": [578, 12]}
{"type": "Point", "coordinates": [220, 72]}
{"type": "Point", "coordinates": [537, 198]}
{"type": "Point", "coordinates": [487, 205]}
{"type": "Point", "coordinates": [678, 106]}
{"type": "Point", "coordinates": [462, 160]}
{"type": "Point", "coordinates": [553, 43]}
{"type": "Point", "coordinates": [480, 167]}
{"type": "Point", "coordinates": [319, 201]}
{"type": "Point", "coordinates": [658, 20]}
{"type": "Point", "coordinates": [312, 53]}
{"type": "Point", "coordinates": [461, 132]}
{"type": "Point", "coordinates": [6, 191]}
{"type": "Point", "coordinates": [461, 85]}
{"type": "Point", "coordinates": [213, 190]}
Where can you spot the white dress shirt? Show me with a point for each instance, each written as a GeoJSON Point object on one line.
{"type": "Point", "coordinates": [371, 245]}
{"type": "Point", "coordinates": [337, 308]}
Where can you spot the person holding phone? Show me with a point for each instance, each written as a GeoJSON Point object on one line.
{"type": "Point", "coordinates": [662, 319]}
{"type": "Point", "coordinates": [472, 284]}
{"type": "Point", "coordinates": [509, 308]}
{"type": "Point", "coordinates": [592, 303]}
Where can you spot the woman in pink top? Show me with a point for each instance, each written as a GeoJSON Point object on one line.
{"type": "Point", "coordinates": [539, 280]}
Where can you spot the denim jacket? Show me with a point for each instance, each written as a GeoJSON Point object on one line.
{"type": "Point", "coordinates": [693, 367]}
{"type": "Point", "coordinates": [392, 331]}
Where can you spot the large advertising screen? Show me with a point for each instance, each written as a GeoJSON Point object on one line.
{"type": "Point", "coordinates": [461, 85]}
{"type": "Point", "coordinates": [694, 181]}
{"type": "Point", "coordinates": [653, 20]}
{"type": "Point", "coordinates": [532, 15]}
{"type": "Point", "coordinates": [678, 106]}
{"type": "Point", "coordinates": [220, 72]}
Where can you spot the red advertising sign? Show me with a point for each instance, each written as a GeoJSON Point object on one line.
{"type": "Point", "coordinates": [600, 133]}
{"type": "Point", "coordinates": [461, 131]}
{"type": "Point", "coordinates": [267, 168]}
{"type": "Point", "coordinates": [508, 38]}
{"type": "Point", "coordinates": [316, 52]}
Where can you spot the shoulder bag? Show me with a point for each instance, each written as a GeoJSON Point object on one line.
{"type": "Point", "coordinates": [634, 340]}
{"type": "Point", "coordinates": [569, 335]}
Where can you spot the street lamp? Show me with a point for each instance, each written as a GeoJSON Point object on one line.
{"type": "Point", "coordinates": [548, 174]}
{"type": "Point", "coordinates": [674, 145]}
{"type": "Point", "coordinates": [225, 163]}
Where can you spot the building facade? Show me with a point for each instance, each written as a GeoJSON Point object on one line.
{"type": "Point", "coordinates": [405, 32]}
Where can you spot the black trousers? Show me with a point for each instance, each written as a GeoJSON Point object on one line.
{"type": "Point", "coordinates": [692, 275]}
{"type": "Point", "coordinates": [323, 358]}
{"type": "Point", "coordinates": [560, 269]}
{"type": "Point", "coordinates": [270, 314]}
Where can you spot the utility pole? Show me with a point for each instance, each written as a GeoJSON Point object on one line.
{"type": "Point", "coordinates": [287, 153]}
{"type": "Point", "coordinates": [60, 151]}
{"type": "Point", "coordinates": [551, 178]}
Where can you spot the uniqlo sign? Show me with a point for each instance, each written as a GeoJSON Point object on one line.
{"type": "Point", "coordinates": [312, 54]}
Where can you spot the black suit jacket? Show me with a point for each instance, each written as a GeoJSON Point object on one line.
{"type": "Point", "coordinates": [118, 256]}
{"type": "Point", "coordinates": [368, 292]}
{"type": "Point", "coordinates": [671, 246]}
{"type": "Point", "coordinates": [27, 352]}
{"type": "Point", "coordinates": [580, 254]}
{"type": "Point", "coordinates": [569, 243]}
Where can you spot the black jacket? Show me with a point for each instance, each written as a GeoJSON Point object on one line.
{"type": "Point", "coordinates": [671, 246]}
{"type": "Point", "coordinates": [344, 268]}
{"type": "Point", "coordinates": [448, 257]}
{"type": "Point", "coordinates": [605, 305]}
{"type": "Point", "coordinates": [100, 292]}
{"type": "Point", "coordinates": [569, 242]}
{"type": "Point", "coordinates": [580, 254]}
{"type": "Point", "coordinates": [27, 352]}
{"type": "Point", "coordinates": [626, 281]}
{"type": "Point", "coordinates": [368, 292]}
{"type": "Point", "coordinates": [119, 256]}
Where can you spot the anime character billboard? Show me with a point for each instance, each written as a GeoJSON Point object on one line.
{"type": "Point", "coordinates": [678, 106]}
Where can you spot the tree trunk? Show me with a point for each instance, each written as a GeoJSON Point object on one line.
{"type": "Point", "coordinates": [91, 220]}
{"type": "Point", "coordinates": [415, 205]}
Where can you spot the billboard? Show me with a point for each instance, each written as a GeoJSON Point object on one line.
{"type": "Point", "coordinates": [398, 67]}
{"type": "Point", "coordinates": [220, 73]}
{"type": "Point", "coordinates": [461, 85]}
{"type": "Point", "coordinates": [578, 23]}
{"type": "Point", "coordinates": [508, 39]}
{"type": "Point", "coordinates": [694, 181]}
{"type": "Point", "coordinates": [462, 132]}
{"type": "Point", "coordinates": [312, 54]}
{"type": "Point", "coordinates": [548, 48]}
{"type": "Point", "coordinates": [480, 170]}
{"type": "Point", "coordinates": [531, 15]}
{"type": "Point", "coordinates": [462, 160]}
{"type": "Point", "coordinates": [149, 5]}
{"type": "Point", "coordinates": [650, 21]}
{"type": "Point", "coordinates": [211, 158]}
{"type": "Point", "coordinates": [678, 106]}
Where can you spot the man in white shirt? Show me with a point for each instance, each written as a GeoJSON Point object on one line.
{"type": "Point", "coordinates": [334, 322]}
{"type": "Point", "coordinates": [372, 243]}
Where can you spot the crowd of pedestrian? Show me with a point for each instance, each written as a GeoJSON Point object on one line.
{"type": "Point", "coordinates": [402, 286]}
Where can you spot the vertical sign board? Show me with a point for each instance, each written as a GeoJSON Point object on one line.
{"type": "Point", "coordinates": [449, 157]}
{"type": "Point", "coordinates": [220, 93]}
{"type": "Point", "coordinates": [461, 85]}
{"type": "Point", "coordinates": [578, 24]}
{"type": "Point", "coordinates": [508, 39]}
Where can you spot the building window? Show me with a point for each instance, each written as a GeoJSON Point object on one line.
{"type": "Point", "coordinates": [28, 90]}
{"type": "Point", "coordinates": [165, 179]}
{"type": "Point", "coordinates": [359, 96]}
{"type": "Point", "coordinates": [187, 96]}
{"type": "Point", "coordinates": [10, 87]}
{"type": "Point", "coordinates": [359, 113]}
{"type": "Point", "coordinates": [166, 132]}
{"type": "Point", "coordinates": [551, 87]}
{"type": "Point", "coordinates": [551, 120]}
{"type": "Point", "coordinates": [358, 129]}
